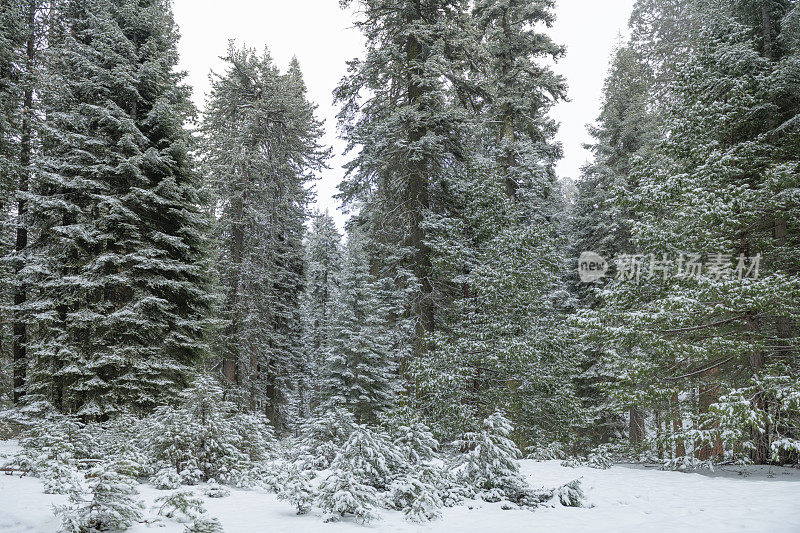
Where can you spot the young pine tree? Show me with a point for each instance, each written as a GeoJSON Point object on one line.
{"type": "Point", "coordinates": [323, 265]}
{"type": "Point", "coordinates": [360, 373]}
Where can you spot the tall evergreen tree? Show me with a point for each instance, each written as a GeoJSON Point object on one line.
{"type": "Point", "coordinates": [24, 24]}
{"type": "Point", "coordinates": [399, 108]}
{"type": "Point", "coordinates": [521, 89]}
{"type": "Point", "coordinates": [718, 184]}
{"type": "Point", "coordinates": [10, 22]}
{"type": "Point", "coordinates": [602, 221]}
{"type": "Point", "coordinates": [323, 266]}
{"type": "Point", "coordinates": [118, 249]}
{"type": "Point", "coordinates": [360, 370]}
{"type": "Point", "coordinates": [496, 242]}
{"type": "Point", "coordinates": [260, 145]}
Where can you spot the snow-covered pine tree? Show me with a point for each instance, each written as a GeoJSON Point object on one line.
{"type": "Point", "coordinates": [260, 145]}
{"type": "Point", "coordinates": [298, 490]}
{"type": "Point", "coordinates": [602, 221]}
{"type": "Point", "coordinates": [205, 436]}
{"type": "Point", "coordinates": [117, 253]}
{"type": "Point", "coordinates": [418, 500]}
{"type": "Point", "coordinates": [53, 449]}
{"type": "Point", "coordinates": [491, 460]}
{"type": "Point", "coordinates": [371, 456]}
{"type": "Point", "coordinates": [108, 504]}
{"type": "Point", "coordinates": [323, 265]}
{"type": "Point", "coordinates": [496, 245]}
{"type": "Point", "coordinates": [360, 373]}
{"type": "Point", "coordinates": [23, 25]}
{"type": "Point", "coordinates": [10, 100]}
{"type": "Point", "coordinates": [366, 463]}
{"type": "Point", "coordinates": [400, 107]}
{"type": "Point", "coordinates": [718, 184]}
{"type": "Point", "coordinates": [521, 88]}
{"type": "Point", "coordinates": [323, 434]}
{"type": "Point", "coordinates": [342, 494]}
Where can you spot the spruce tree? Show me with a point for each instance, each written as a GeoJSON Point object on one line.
{"type": "Point", "coordinates": [22, 29]}
{"type": "Point", "coordinates": [602, 220]}
{"type": "Point", "coordinates": [717, 185]}
{"type": "Point", "coordinates": [399, 108]}
{"type": "Point", "coordinates": [118, 249]}
{"type": "Point", "coordinates": [502, 343]}
{"type": "Point", "coordinates": [9, 129]}
{"type": "Point", "coordinates": [323, 265]}
{"type": "Point", "coordinates": [520, 90]}
{"type": "Point", "coordinates": [360, 373]}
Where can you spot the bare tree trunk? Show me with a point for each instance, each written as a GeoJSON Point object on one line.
{"type": "Point", "coordinates": [659, 433]}
{"type": "Point", "coordinates": [760, 454]}
{"type": "Point", "coordinates": [766, 28]}
{"type": "Point", "coordinates": [709, 394]}
{"type": "Point", "coordinates": [231, 358]}
{"type": "Point", "coordinates": [636, 425]}
{"type": "Point", "coordinates": [677, 425]}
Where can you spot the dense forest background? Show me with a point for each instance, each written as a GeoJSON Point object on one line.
{"type": "Point", "coordinates": [146, 245]}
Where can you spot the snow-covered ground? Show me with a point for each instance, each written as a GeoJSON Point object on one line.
{"type": "Point", "coordinates": [625, 498]}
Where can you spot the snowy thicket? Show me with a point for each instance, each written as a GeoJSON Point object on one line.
{"type": "Point", "coordinates": [403, 469]}
{"type": "Point", "coordinates": [205, 437]}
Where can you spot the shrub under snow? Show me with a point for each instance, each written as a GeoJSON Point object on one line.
{"type": "Point", "coordinates": [342, 493]}
{"type": "Point", "coordinates": [297, 489]}
{"type": "Point", "coordinates": [108, 502]}
{"type": "Point", "coordinates": [490, 463]}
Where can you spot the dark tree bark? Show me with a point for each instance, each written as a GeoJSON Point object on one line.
{"type": "Point", "coordinates": [677, 425]}
{"type": "Point", "coordinates": [636, 425]}
{"type": "Point", "coordinates": [417, 188]}
{"type": "Point", "coordinates": [19, 357]}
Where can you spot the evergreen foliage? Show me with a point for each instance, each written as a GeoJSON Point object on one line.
{"type": "Point", "coordinates": [360, 370]}
{"type": "Point", "coordinates": [109, 502]}
{"type": "Point", "coordinates": [260, 145]}
{"type": "Point", "coordinates": [323, 251]}
{"type": "Point", "coordinates": [118, 250]}
{"type": "Point", "coordinates": [342, 493]}
{"type": "Point", "coordinates": [206, 437]}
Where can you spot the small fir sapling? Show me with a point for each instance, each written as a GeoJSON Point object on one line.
{"type": "Point", "coordinates": [342, 493]}
{"type": "Point", "coordinates": [108, 503]}
{"type": "Point", "coordinates": [297, 489]}
{"type": "Point", "coordinates": [418, 500]}
{"type": "Point", "coordinates": [490, 463]}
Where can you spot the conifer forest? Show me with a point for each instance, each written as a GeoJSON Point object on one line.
{"type": "Point", "coordinates": [473, 342]}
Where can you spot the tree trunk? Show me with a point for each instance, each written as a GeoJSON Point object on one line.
{"type": "Point", "coordinates": [709, 394]}
{"type": "Point", "coordinates": [636, 425]}
{"type": "Point", "coordinates": [783, 324]}
{"type": "Point", "coordinates": [677, 425]}
{"type": "Point", "coordinates": [417, 192]}
{"type": "Point", "coordinates": [659, 433]}
{"type": "Point", "coordinates": [760, 454]}
{"type": "Point", "coordinates": [766, 28]}
{"type": "Point", "coordinates": [19, 357]}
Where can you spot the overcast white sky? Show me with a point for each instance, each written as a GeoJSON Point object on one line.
{"type": "Point", "coordinates": [321, 35]}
